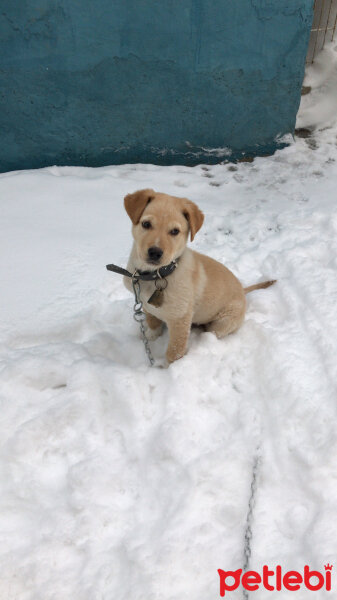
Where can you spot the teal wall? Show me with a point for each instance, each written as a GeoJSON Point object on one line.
{"type": "Point", "coordinates": [87, 82]}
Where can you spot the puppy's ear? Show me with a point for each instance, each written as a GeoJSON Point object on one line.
{"type": "Point", "coordinates": [194, 217]}
{"type": "Point", "coordinates": [135, 203]}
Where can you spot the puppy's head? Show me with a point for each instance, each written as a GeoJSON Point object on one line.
{"type": "Point", "coordinates": [160, 225]}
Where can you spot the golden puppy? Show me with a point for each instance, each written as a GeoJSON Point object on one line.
{"type": "Point", "coordinates": [200, 290]}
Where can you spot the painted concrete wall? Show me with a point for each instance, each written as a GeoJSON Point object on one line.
{"type": "Point", "coordinates": [88, 82]}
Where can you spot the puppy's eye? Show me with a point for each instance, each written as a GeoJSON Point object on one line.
{"type": "Point", "coordinates": [174, 231]}
{"type": "Point", "coordinates": [146, 225]}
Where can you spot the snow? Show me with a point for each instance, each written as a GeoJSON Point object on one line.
{"type": "Point", "coordinates": [319, 108]}
{"type": "Point", "coordinates": [123, 481]}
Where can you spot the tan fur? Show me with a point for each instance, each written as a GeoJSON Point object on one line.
{"type": "Point", "coordinates": [200, 291]}
{"type": "Point", "coordinates": [135, 203]}
{"type": "Point", "coordinates": [259, 286]}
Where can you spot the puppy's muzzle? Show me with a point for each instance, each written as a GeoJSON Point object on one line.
{"type": "Point", "coordinates": [154, 254]}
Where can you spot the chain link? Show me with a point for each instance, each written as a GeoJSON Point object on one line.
{"type": "Point", "coordinates": [248, 530]}
{"type": "Point", "coordinates": [140, 316]}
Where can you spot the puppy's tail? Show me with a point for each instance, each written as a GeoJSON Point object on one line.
{"type": "Point", "coordinates": [259, 286]}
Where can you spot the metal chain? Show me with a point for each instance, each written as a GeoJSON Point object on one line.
{"type": "Point", "coordinates": [140, 316]}
{"type": "Point", "coordinates": [248, 530]}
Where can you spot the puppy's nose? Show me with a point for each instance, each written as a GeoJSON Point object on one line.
{"type": "Point", "coordinates": [155, 253]}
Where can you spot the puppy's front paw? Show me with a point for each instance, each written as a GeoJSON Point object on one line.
{"type": "Point", "coordinates": [173, 355]}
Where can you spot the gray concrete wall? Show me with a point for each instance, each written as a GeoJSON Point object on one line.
{"type": "Point", "coordinates": [164, 81]}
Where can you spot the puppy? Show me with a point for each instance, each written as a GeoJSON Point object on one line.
{"type": "Point", "coordinates": [200, 290]}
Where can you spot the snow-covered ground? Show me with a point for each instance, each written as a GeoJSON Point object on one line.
{"type": "Point", "coordinates": [122, 481]}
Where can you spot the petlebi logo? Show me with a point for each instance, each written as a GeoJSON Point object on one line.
{"type": "Point", "coordinates": [275, 579]}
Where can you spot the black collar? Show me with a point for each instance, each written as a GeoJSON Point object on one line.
{"type": "Point", "coordinates": [160, 273]}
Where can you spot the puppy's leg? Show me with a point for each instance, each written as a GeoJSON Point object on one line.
{"type": "Point", "coordinates": [228, 322]}
{"type": "Point", "coordinates": [179, 331]}
{"type": "Point", "coordinates": [154, 326]}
